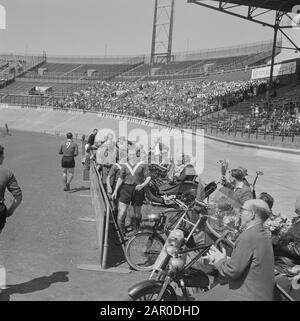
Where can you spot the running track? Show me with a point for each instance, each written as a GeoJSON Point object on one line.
{"type": "Point", "coordinates": [45, 239]}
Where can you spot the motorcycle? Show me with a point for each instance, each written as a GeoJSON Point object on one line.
{"type": "Point", "coordinates": [181, 263]}
{"type": "Point", "coordinates": [189, 241]}
{"type": "Point", "coordinates": [143, 248]}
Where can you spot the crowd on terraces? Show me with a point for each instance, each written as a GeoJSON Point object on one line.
{"type": "Point", "coordinates": [166, 101]}
{"type": "Point", "coordinates": [282, 121]}
{"type": "Point", "coordinates": [273, 120]}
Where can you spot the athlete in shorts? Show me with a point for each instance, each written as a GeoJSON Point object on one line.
{"type": "Point", "coordinates": [69, 150]}
{"type": "Point", "coordinates": [134, 176]}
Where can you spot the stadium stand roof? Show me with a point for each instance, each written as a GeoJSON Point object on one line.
{"type": "Point", "coordinates": [281, 8]}
{"type": "Point", "coordinates": [277, 5]}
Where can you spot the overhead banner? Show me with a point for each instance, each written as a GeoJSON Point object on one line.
{"type": "Point", "coordinates": [279, 70]}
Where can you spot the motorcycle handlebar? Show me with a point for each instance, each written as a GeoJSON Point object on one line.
{"type": "Point", "coordinates": [224, 239]}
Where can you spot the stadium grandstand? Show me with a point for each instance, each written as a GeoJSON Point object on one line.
{"type": "Point", "coordinates": [187, 87]}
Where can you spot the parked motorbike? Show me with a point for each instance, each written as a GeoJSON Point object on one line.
{"type": "Point", "coordinates": [190, 240]}
{"type": "Point", "coordinates": [143, 248]}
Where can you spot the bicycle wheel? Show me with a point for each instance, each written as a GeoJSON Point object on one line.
{"type": "Point", "coordinates": [142, 250]}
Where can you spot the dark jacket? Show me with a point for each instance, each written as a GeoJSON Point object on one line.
{"type": "Point", "coordinates": [69, 148]}
{"type": "Point", "coordinates": [237, 197]}
{"type": "Point", "coordinates": [243, 194]}
{"type": "Point", "coordinates": [8, 181]}
{"type": "Point", "coordinates": [250, 270]}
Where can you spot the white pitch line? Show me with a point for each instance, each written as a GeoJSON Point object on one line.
{"type": "Point", "coordinates": [81, 195]}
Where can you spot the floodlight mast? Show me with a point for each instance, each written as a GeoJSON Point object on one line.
{"type": "Point", "coordinates": [162, 32]}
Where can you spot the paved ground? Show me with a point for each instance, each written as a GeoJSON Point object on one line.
{"type": "Point", "coordinates": [45, 239]}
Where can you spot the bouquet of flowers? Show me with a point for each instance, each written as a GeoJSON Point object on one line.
{"type": "Point", "coordinates": [223, 163]}
{"type": "Point", "coordinates": [223, 217]}
{"type": "Point", "coordinates": [277, 226]}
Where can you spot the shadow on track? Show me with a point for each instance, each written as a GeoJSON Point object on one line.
{"type": "Point", "coordinates": [34, 285]}
{"type": "Point", "coordinates": [78, 189]}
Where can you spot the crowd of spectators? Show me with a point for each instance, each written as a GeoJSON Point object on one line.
{"type": "Point", "coordinates": [282, 121]}
{"type": "Point", "coordinates": [166, 101]}
{"type": "Point", "coordinates": [279, 121]}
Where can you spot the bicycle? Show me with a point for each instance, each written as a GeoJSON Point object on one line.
{"type": "Point", "coordinates": [143, 248]}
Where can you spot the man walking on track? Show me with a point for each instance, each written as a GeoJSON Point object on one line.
{"type": "Point", "coordinates": [8, 181]}
{"type": "Point", "coordinates": [69, 150]}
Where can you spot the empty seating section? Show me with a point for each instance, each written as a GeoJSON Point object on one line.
{"type": "Point", "coordinates": [60, 68]}
{"type": "Point", "coordinates": [193, 67]}
{"type": "Point", "coordinates": [23, 100]}
{"type": "Point", "coordinates": [184, 65]}
{"type": "Point", "coordinates": [59, 89]}
{"type": "Point", "coordinates": [78, 71]}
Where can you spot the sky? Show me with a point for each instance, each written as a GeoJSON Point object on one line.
{"type": "Point", "coordinates": [119, 27]}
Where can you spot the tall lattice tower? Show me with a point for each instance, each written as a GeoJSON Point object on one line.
{"type": "Point", "coordinates": [161, 49]}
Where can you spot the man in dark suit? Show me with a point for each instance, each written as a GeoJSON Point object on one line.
{"type": "Point", "coordinates": [250, 269]}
